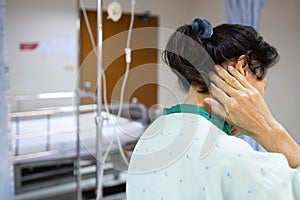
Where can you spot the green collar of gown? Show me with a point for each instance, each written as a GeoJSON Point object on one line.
{"type": "Point", "coordinates": [195, 109]}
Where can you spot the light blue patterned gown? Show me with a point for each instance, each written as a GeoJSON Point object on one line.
{"type": "Point", "coordinates": [185, 154]}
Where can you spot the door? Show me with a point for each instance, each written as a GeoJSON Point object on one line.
{"type": "Point", "coordinates": [142, 79]}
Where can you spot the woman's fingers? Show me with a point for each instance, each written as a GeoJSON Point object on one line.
{"type": "Point", "coordinates": [223, 85]}
{"type": "Point", "coordinates": [218, 81]}
{"type": "Point", "coordinates": [229, 79]}
{"type": "Point", "coordinates": [239, 77]}
{"type": "Point", "coordinates": [216, 107]}
{"type": "Point", "coordinates": [218, 93]}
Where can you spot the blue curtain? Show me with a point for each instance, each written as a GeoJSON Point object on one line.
{"type": "Point", "coordinates": [6, 169]}
{"type": "Point", "coordinates": [245, 12]}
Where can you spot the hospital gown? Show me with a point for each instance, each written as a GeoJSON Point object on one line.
{"type": "Point", "coordinates": [186, 154]}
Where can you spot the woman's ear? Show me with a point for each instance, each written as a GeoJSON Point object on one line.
{"type": "Point", "coordinates": [241, 65]}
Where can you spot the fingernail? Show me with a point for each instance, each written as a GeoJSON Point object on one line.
{"type": "Point", "coordinates": [230, 68]}
{"type": "Point", "coordinates": [217, 67]}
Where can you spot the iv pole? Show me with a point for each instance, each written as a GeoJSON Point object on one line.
{"type": "Point", "coordinates": [99, 119]}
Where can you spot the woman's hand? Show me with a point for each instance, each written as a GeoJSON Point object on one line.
{"type": "Point", "coordinates": [234, 99]}
{"type": "Point", "coordinates": [239, 102]}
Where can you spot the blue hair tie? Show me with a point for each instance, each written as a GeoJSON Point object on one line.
{"type": "Point", "coordinates": [202, 27]}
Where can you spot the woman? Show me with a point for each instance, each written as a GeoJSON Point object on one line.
{"type": "Point", "coordinates": [188, 153]}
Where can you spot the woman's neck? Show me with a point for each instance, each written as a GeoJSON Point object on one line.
{"type": "Point", "coordinates": [197, 98]}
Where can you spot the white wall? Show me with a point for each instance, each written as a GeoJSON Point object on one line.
{"type": "Point", "coordinates": [279, 26]}
{"type": "Point", "coordinates": [50, 67]}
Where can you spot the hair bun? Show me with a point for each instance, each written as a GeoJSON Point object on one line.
{"type": "Point", "coordinates": [202, 27]}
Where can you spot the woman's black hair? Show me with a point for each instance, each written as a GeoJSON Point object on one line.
{"type": "Point", "coordinates": [192, 56]}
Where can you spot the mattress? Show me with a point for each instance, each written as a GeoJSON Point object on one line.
{"type": "Point", "coordinates": [55, 136]}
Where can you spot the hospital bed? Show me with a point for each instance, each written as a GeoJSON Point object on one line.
{"type": "Point", "coordinates": [44, 146]}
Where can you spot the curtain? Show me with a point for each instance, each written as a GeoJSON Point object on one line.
{"type": "Point", "coordinates": [245, 12]}
{"type": "Point", "coordinates": [6, 168]}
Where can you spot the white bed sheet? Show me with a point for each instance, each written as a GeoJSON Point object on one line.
{"type": "Point", "coordinates": [63, 144]}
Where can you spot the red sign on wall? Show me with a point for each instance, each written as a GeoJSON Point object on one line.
{"type": "Point", "coordinates": [28, 46]}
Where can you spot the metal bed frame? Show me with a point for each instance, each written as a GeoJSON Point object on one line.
{"type": "Point", "coordinates": [54, 166]}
